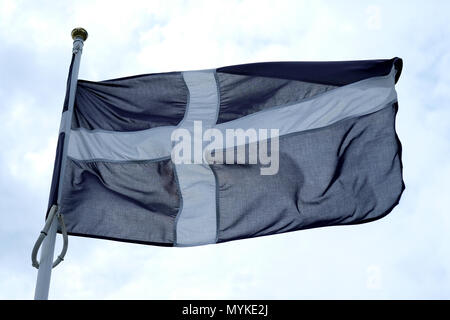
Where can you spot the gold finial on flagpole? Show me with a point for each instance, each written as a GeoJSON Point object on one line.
{"type": "Point", "coordinates": [79, 33]}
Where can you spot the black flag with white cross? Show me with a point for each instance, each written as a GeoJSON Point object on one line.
{"type": "Point", "coordinates": [200, 157]}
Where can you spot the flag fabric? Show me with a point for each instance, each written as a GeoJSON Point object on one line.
{"type": "Point", "coordinates": [339, 157]}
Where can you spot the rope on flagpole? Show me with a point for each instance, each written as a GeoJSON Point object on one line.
{"type": "Point", "coordinates": [52, 214]}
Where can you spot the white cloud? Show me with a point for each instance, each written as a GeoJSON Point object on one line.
{"type": "Point", "coordinates": [374, 21]}
{"type": "Point", "coordinates": [409, 248]}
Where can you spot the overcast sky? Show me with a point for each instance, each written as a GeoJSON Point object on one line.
{"type": "Point", "coordinates": [404, 255]}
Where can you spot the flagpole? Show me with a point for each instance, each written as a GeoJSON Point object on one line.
{"type": "Point", "coordinates": [79, 35]}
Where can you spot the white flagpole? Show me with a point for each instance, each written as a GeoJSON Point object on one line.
{"type": "Point", "coordinates": [79, 35]}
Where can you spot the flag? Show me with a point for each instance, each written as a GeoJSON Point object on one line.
{"type": "Point", "coordinates": [209, 156]}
